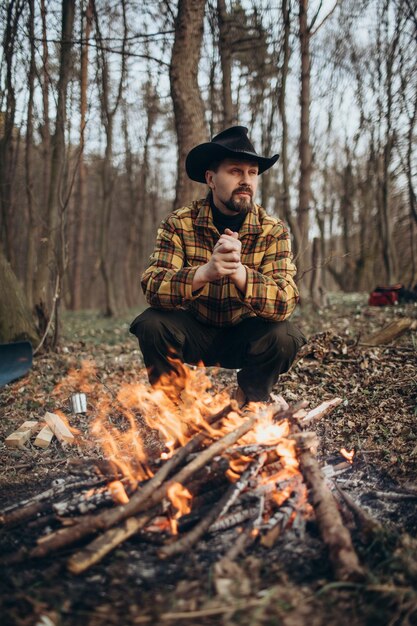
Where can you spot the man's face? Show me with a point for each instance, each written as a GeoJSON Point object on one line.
{"type": "Point", "coordinates": [233, 185]}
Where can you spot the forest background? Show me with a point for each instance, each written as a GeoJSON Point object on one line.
{"type": "Point", "coordinates": [100, 101]}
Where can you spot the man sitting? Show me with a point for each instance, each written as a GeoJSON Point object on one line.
{"type": "Point", "coordinates": [220, 282]}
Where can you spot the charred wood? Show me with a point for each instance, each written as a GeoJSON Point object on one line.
{"type": "Point", "coordinates": [90, 524]}
{"type": "Point", "coordinates": [41, 503]}
{"type": "Point", "coordinates": [152, 493]}
{"type": "Point", "coordinates": [222, 506]}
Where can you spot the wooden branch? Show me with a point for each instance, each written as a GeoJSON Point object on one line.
{"type": "Point", "coordinates": [233, 519]}
{"type": "Point", "coordinates": [248, 535]}
{"type": "Point", "coordinates": [278, 522]}
{"type": "Point", "coordinates": [90, 524]}
{"type": "Point", "coordinates": [392, 331]}
{"type": "Point", "coordinates": [31, 507]}
{"type": "Point", "coordinates": [367, 524]}
{"type": "Point", "coordinates": [333, 533]}
{"type": "Point", "coordinates": [105, 543]}
{"type": "Point", "coordinates": [320, 411]}
{"type": "Point", "coordinates": [220, 509]}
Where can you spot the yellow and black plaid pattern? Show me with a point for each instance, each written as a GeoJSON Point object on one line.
{"type": "Point", "coordinates": [186, 239]}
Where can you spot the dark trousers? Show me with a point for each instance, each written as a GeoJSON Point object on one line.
{"type": "Point", "coordinates": [262, 350]}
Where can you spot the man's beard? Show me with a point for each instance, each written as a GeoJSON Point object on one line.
{"type": "Point", "coordinates": [240, 204]}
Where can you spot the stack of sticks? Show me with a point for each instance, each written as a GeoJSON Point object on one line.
{"type": "Point", "coordinates": [200, 466]}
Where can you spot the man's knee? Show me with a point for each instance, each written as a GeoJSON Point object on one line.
{"type": "Point", "coordinates": [158, 330]}
{"type": "Point", "coordinates": [283, 338]}
{"type": "Point", "coordinates": [148, 324]}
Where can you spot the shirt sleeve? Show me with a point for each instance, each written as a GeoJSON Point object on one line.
{"type": "Point", "coordinates": [166, 283]}
{"type": "Point", "coordinates": [271, 292]}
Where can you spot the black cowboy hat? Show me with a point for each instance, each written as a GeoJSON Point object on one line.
{"type": "Point", "coordinates": [230, 143]}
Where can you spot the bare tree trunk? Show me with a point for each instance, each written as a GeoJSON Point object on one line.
{"type": "Point", "coordinates": [304, 146]}
{"type": "Point", "coordinates": [317, 291]}
{"type": "Point", "coordinates": [48, 253]}
{"type": "Point", "coordinates": [134, 208]}
{"type": "Point", "coordinates": [108, 175]}
{"type": "Point", "coordinates": [16, 322]}
{"type": "Point", "coordinates": [388, 249]}
{"type": "Point", "coordinates": [188, 105]}
{"type": "Point", "coordinates": [8, 140]}
{"type": "Point", "coordinates": [82, 189]}
{"type": "Point", "coordinates": [32, 234]}
{"type": "Point", "coordinates": [286, 205]}
{"type": "Point", "coordinates": [45, 128]}
{"type": "Point", "coordinates": [226, 64]}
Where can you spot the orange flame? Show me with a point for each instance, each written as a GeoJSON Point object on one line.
{"type": "Point", "coordinates": [180, 498]}
{"type": "Point", "coordinates": [347, 455]}
{"type": "Point", "coordinates": [177, 408]}
{"type": "Point", "coordinates": [117, 492]}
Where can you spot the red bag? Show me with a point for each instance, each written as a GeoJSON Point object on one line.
{"type": "Point", "coordinates": [384, 296]}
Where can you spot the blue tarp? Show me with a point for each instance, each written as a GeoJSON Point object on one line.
{"type": "Point", "coordinates": [15, 361]}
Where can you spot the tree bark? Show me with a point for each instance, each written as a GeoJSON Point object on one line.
{"type": "Point", "coordinates": [317, 293]}
{"type": "Point", "coordinates": [303, 217]}
{"type": "Point", "coordinates": [82, 173]}
{"type": "Point", "coordinates": [16, 322]}
{"type": "Point", "coordinates": [32, 234]}
{"type": "Point", "coordinates": [8, 137]}
{"type": "Point", "coordinates": [45, 128]}
{"type": "Point", "coordinates": [107, 174]}
{"type": "Point", "coordinates": [226, 64]}
{"type": "Point", "coordinates": [188, 105]}
{"type": "Point", "coordinates": [48, 252]}
{"type": "Point", "coordinates": [286, 205]}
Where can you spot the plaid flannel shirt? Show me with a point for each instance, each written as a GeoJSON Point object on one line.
{"type": "Point", "coordinates": [186, 239]}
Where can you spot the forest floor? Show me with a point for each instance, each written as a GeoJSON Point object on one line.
{"type": "Point", "coordinates": [289, 584]}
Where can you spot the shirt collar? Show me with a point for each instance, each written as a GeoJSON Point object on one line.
{"type": "Point", "coordinates": [204, 219]}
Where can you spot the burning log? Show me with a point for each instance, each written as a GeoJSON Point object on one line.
{"type": "Point", "coordinates": [279, 521]}
{"type": "Point", "coordinates": [202, 469]}
{"type": "Point", "coordinates": [141, 504]}
{"type": "Point", "coordinates": [83, 502]}
{"type": "Point", "coordinates": [333, 533]}
{"type": "Point", "coordinates": [152, 492]}
{"type": "Point", "coordinates": [217, 511]}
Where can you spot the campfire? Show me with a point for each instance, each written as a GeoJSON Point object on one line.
{"type": "Point", "coordinates": [218, 468]}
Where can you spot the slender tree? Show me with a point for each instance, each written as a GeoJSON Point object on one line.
{"type": "Point", "coordinates": [188, 105]}
{"type": "Point", "coordinates": [47, 274]}
{"type": "Point", "coordinates": [225, 49]}
{"type": "Point", "coordinates": [304, 202]}
{"type": "Point", "coordinates": [33, 221]}
{"type": "Point", "coordinates": [108, 113]}
{"type": "Point", "coordinates": [86, 22]}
